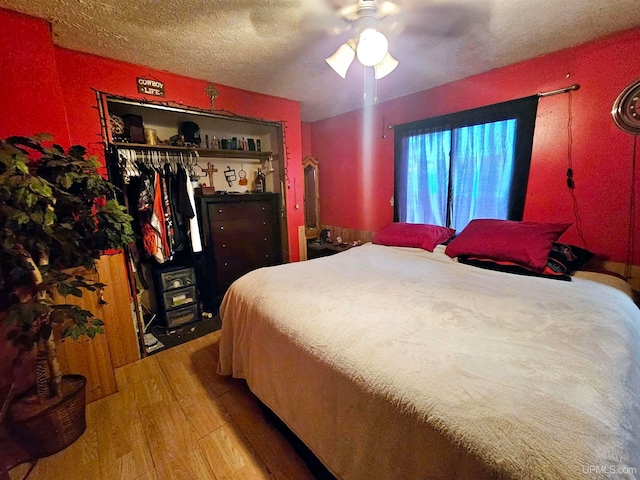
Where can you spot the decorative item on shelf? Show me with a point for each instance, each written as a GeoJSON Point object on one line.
{"type": "Point", "coordinates": [251, 144]}
{"type": "Point", "coordinates": [133, 128]}
{"type": "Point", "coordinates": [224, 144]}
{"type": "Point", "coordinates": [177, 140]}
{"type": "Point", "coordinates": [230, 175]}
{"type": "Point", "coordinates": [260, 186]}
{"type": "Point", "coordinates": [234, 143]}
{"type": "Point", "coordinates": [117, 128]}
{"type": "Point", "coordinates": [268, 165]}
{"type": "Point", "coordinates": [243, 177]}
{"type": "Point", "coordinates": [209, 171]}
{"type": "Point", "coordinates": [258, 145]}
{"type": "Point", "coordinates": [191, 133]}
{"type": "Point", "coordinates": [67, 200]}
{"type": "Point", "coordinates": [150, 136]}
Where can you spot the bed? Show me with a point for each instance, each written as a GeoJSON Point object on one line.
{"type": "Point", "coordinates": [398, 363]}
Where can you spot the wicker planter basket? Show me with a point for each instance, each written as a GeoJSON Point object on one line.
{"type": "Point", "coordinates": [48, 427]}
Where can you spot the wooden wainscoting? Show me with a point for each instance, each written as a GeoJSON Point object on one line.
{"type": "Point", "coordinates": [349, 235]}
{"type": "Point", "coordinates": [117, 313]}
{"type": "Point", "coordinates": [97, 358]}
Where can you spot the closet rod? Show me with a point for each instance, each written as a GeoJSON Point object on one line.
{"type": "Point", "coordinates": [568, 89]}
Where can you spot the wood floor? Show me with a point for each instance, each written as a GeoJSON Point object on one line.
{"type": "Point", "coordinates": [174, 418]}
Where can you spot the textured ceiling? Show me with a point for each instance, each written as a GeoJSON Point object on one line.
{"type": "Point", "coordinates": [278, 47]}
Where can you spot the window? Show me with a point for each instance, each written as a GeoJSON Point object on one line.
{"type": "Point", "coordinates": [473, 164]}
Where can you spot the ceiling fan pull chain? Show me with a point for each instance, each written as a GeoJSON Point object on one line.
{"type": "Point", "coordinates": [375, 91]}
{"type": "Point", "coordinates": [364, 76]}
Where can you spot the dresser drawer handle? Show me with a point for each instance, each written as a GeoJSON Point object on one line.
{"type": "Point", "coordinates": [265, 239]}
{"type": "Point", "coordinates": [226, 264]}
{"type": "Point", "coordinates": [224, 245]}
{"type": "Point", "coordinates": [267, 255]}
{"type": "Point", "coordinates": [263, 208]}
{"type": "Point", "coordinates": [219, 210]}
{"type": "Point", "coordinates": [264, 223]}
{"type": "Point", "coordinates": [221, 228]}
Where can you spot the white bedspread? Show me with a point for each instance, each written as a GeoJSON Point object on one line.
{"type": "Point", "coordinates": [396, 363]}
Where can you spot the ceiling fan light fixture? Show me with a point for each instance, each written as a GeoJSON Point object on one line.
{"type": "Point", "coordinates": [372, 47]}
{"type": "Point", "coordinates": [385, 67]}
{"type": "Point", "coordinates": [341, 60]}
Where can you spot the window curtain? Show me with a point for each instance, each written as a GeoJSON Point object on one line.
{"type": "Point", "coordinates": [425, 174]}
{"type": "Point", "coordinates": [488, 176]}
{"type": "Point", "coordinates": [483, 157]}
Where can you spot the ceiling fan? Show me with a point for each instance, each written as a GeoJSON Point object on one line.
{"type": "Point", "coordinates": [369, 45]}
{"type": "Point", "coordinates": [373, 22]}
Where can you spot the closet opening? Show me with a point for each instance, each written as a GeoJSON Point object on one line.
{"type": "Point", "coordinates": [206, 191]}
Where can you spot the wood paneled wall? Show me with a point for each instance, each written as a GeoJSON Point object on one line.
{"type": "Point", "coordinates": [349, 235]}
{"type": "Point", "coordinates": [97, 358]}
{"type": "Point", "coordinates": [117, 313]}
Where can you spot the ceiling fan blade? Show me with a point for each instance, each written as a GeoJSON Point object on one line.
{"type": "Point", "coordinates": [267, 20]}
{"type": "Point", "coordinates": [349, 12]}
{"type": "Point", "coordinates": [442, 18]}
{"type": "Point", "coordinates": [388, 8]}
{"type": "Point", "coordinates": [325, 16]}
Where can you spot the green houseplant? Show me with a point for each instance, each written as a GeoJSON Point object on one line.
{"type": "Point", "coordinates": [56, 212]}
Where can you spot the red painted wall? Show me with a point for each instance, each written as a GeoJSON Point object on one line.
{"type": "Point", "coordinates": [356, 162]}
{"type": "Point", "coordinates": [30, 102]}
{"type": "Point", "coordinates": [30, 94]}
{"type": "Point", "coordinates": [306, 140]}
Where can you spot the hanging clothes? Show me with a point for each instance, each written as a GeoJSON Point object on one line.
{"type": "Point", "coordinates": [179, 231]}
{"type": "Point", "coordinates": [184, 212]}
{"type": "Point", "coordinates": [183, 202]}
{"type": "Point", "coordinates": [168, 234]}
{"type": "Point", "coordinates": [194, 228]}
{"type": "Point", "coordinates": [151, 237]}
{"type": "Point", "coordinates": [157, 222]}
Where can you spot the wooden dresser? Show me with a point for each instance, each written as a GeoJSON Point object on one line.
{"type": "Point", "coordinates": [240, 233]}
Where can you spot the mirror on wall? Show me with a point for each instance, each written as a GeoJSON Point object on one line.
{"type": "Point", "coordinates": [311, 199]}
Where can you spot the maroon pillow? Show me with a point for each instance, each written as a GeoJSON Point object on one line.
{"type": "Point", "coordinates": [525, 243]}
{"type": "Point", "coordinates": [419, 235]}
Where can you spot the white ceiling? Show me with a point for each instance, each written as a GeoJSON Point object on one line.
{"type": "Point", "coordinates": [278, 47]}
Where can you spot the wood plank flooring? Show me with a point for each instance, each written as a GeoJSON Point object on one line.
{"type": "Point", "coordinates": [174, 418]}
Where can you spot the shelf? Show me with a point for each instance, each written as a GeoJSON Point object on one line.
{"type": "Point", "coordinates": [203, 152]}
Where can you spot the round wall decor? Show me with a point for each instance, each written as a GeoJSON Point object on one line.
{"type": "Point", "coordinates": [626, 109]}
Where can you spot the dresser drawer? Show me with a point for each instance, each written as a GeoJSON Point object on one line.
{"type": "Point", "coordinates": [233, 265]}
{"type": "Point", "coordinates": [231, 244]}
{"type": "Point", "coordinates": [232, 211]}
{"type": "Point", "coordinates": [244, 227]}
{"type": "Point", "coordinates": [180, 297]}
